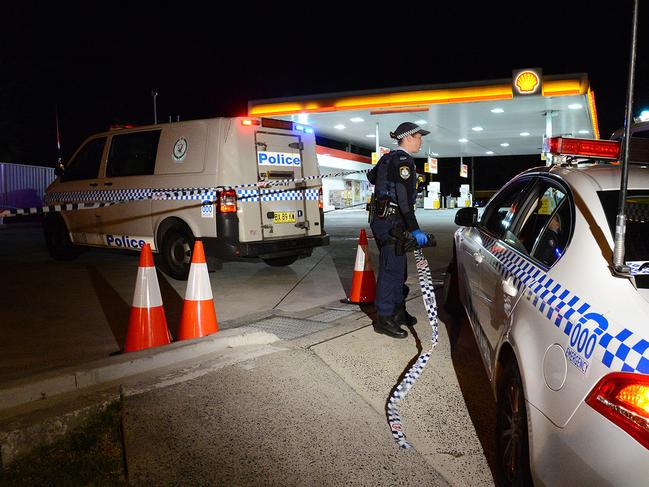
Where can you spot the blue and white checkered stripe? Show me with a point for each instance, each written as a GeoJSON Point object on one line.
{"type": "Point", "coordinates": [57, 208]}
{"type": "Point", "coordinates": [61, 199]}
{"type": "Point", "coordinates": [638, 267]}
{"type": "Point", "coordinates": [625, 351]}
{"type": "Point", "coordinates": [129, 195]}
{"type": "Point", "coordinates": [255, 195]}
{"type": "Point", "coordinates": [401, 390]}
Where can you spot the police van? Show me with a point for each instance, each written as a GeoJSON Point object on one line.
{"type": "Point", "coordinates": [278, 223]}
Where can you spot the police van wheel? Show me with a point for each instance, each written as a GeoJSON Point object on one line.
{"type": "Point", "coordinates": [57, 239]}
{"type": "Point", "coordinates": [176, 252]}
{"type": "Point", "coordinates": [512, 441]}
{"type": "Point", "coordinates": [281, 261]}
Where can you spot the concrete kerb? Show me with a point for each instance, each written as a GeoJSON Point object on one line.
{"type": "Point", "coordinates": [35, 388]}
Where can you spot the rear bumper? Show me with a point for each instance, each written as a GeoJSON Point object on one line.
{"type": "Point", "coordinates": [228, 250]}
{"type": "Point", "coordinates": [228, 247]}
{"type": "Point", "coordinates": [589, 450]}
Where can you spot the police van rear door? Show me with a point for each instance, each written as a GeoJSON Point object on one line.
{"type": "Point", "coordinates": [279, 158]}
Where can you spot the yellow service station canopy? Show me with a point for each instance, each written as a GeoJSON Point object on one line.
{"type": "Point", "coordinates": [501, 117]}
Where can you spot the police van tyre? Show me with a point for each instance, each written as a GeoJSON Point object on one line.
{"type": "Point", "coordinates": [176, 251]}
{"type": "Point", "coordinates": [281, 261]}
{"type": "Point", "coordinates": [512, 441]}
{"type": "Point", "coordinates": [57, 238]}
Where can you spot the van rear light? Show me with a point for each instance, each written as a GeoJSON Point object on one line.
{"type": "Point", "coordinates": [228, 201]}
{"type": "Point", "coordinates": [249, 121]}
{"type": "Point", "coordinates": [623, 398]}
{"type": "Point", "coordinates": [320, 200]}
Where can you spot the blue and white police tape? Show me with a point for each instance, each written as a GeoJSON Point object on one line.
{"type": "Point", "coordinates": [82, 200]}
{"type": "Point", "coordinates": [428, 295]}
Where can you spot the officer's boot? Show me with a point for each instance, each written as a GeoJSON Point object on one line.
{"type": "Point", "coordinates": [388, 326]}
{"type": "Point", "coordinates": [402, 317]}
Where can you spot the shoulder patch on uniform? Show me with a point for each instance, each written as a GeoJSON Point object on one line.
{"type": "Point", "coordinates": [404, 172]}
{"type": "Point", "coordinates": [403, 158]}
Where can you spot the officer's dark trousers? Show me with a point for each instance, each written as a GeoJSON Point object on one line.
{"type": "Point", "coordinates": [391, 286]}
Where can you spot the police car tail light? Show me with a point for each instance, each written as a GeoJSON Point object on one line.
{"type": "Point", "coordinates": [228, 201]}
{"type": "Point", "coordinates": [249, 121]}
{"type": "Point", "coordinates": [320, 201]}
{"type": "Point", "coordinates": [624, 399]}
{"type": "Point", "coordinates": [603, 149]}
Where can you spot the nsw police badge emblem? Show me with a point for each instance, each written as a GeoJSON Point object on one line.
{"type": "Point", "coordinates": [180, 149]}
{"type": "Point", "coordinates": [404, 172]}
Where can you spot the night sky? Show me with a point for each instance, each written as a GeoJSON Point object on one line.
{"type": "Point", "coordinates": [99, 61]}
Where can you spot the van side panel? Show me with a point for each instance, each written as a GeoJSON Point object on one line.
{"type": "Point", "coordinates": [182, 148]}
{"type": "Point", "coordinates": [182, 163]}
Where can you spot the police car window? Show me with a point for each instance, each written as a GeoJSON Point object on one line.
{"type": "Point", "coordinates": [544, 200]}
{"type": "Point", "coordinates": [86, 162]}
{"type": "Point", "coordinates": [552, 243]}
{"type": "Point", "coordinates": [133, 154]}
{"type": "Point", "coordinates": [500, 212]}
{"type": "Point", "coordinates": [636, 243]}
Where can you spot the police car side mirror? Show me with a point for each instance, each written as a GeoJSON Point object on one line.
{"type": "Point", "coordinates": [467, 217]}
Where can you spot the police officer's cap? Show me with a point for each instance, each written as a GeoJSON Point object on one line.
{"type": "Point", "coordinates": [407, 128]}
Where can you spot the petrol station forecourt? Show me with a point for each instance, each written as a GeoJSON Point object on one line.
{"type": "Point", "coordinates": [474, 121]}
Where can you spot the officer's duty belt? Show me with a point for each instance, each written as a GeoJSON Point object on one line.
{"type": "Point", "coordinates": [393, 210]}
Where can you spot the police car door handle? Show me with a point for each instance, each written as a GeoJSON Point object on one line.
{"type": "Point", "coordinates": [296, 145]}
{"type": "Point", "coordinates": [108, 184]}
{"type": "Point", "coordinates": [94, 184]}
{"type": "Point", "coordinates": [509, 288]}
{"type": "Point", "coordinates": [477, 256]}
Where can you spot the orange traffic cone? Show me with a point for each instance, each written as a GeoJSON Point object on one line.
{"type": "Point", "coordinates": [198, 318]}
{"type": "Point", "coordinates": [363, 282]}
{"type": "Point", "coordinates": [147, 325]}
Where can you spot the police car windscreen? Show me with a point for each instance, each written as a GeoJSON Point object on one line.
{"type": "Point", "coordinates": [637, 229]}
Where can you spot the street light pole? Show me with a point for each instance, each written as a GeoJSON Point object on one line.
{"type": "Point", "coordinates": [154, 94]}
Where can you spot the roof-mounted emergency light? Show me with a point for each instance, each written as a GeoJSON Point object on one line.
{"type": "Point", "coordinates": [601, 149]}
{"type": "Point", "coordinates": [276, 124]}
{"type": "Point", "coordinates": [249, 121]}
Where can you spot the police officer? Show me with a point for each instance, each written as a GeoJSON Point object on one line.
{"type": "Point", "coordinates": [395, 191]}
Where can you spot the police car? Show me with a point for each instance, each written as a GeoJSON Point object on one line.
{"type": "Point", "coordinates": [563, 337]}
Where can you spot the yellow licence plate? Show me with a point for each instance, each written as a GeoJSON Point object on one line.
{"type": "Point", "coordinates": [284, 217]}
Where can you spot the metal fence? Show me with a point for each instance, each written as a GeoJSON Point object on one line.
{"type": "Point", "coordinates": [23, 186]}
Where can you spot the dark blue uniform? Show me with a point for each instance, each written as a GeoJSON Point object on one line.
{"type": "Point", "coordinates": [395, 180]}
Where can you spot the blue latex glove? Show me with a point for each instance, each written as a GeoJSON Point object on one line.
{"type": "Point", "coordinates": [421, 237]}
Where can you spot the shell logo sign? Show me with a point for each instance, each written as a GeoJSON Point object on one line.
{"type": "Point", "coordinates": [527, 82]}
